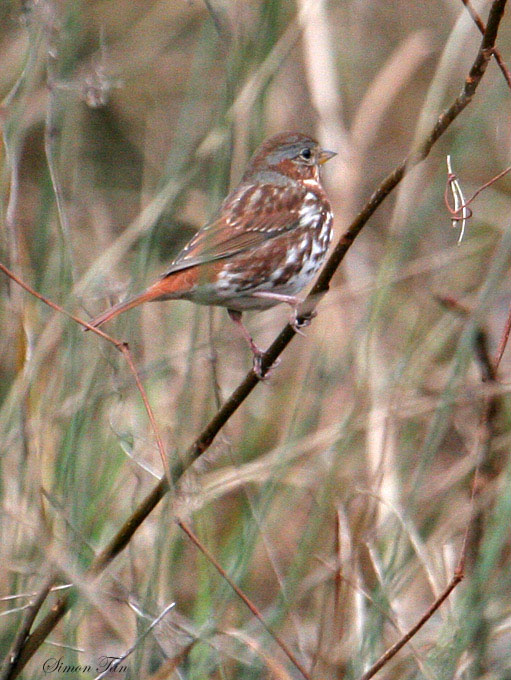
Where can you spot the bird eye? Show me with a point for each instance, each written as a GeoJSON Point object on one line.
{"type": "Point", "coordinates": [306, 154]}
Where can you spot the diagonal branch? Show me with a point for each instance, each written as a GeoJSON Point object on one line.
{"type": "Point", "coordinates": [488, 373]}
{"type": "Point", "coordinates": [211, 558]}
{"type": "Point", "coordinates": [203, 441]}
{"type": "Point", "coordinates": [480, 25]}
{"type": "Point", "coordinates": [392, 651]}
{"type": "Point", "coordinates": [123, 347]}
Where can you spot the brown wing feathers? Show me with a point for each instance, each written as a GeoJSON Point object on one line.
{"type": "Point", "coordinates": [224, 238]}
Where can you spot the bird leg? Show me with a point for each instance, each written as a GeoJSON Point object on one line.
{"type": "Point", "coordinates": [300, 319]}
{"type": "Point", "coordinates": [256, 351]}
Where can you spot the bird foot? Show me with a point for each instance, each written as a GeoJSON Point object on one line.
{"type": "Point", "coordinates": [257, 366]}
{"type": "Point", "coordinates": [302, 319]}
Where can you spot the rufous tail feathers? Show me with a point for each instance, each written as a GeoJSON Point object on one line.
{"type": "Point", "coordinates": [158, 290]}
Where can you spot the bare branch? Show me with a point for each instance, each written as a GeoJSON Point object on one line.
{"type": "Point", "coordinates": [255, 611]}
{"type": "Point", "coordinates": [392, 651]}
{"type": "Point", "coordinates": [480, 25]}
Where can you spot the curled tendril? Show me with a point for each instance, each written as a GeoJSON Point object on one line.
{"type": "Point", "coordinates": [460, 212]}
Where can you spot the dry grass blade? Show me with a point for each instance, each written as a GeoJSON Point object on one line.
{"type": "Point", "coordinates": [116, 663]}
{"type": "Point", "coordinates": [459, 211]}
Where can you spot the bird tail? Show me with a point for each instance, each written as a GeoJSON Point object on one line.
{"type": "Point", "coordinates": [167, 288]}
{"type": "Point", "coordinates": [121, 307]}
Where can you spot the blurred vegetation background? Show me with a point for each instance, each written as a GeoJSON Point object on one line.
{"type": "Point", "coordinates": [338, 495]}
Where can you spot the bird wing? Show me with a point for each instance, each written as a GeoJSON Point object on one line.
{"type": "Point", "coordinates": [241, 226]}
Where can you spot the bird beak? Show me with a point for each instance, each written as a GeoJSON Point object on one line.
{"type": "Point", "coordinates": [325, 156]}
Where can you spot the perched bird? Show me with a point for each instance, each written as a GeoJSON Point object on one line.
{"type": "Point", "coordinates": [267, 241]}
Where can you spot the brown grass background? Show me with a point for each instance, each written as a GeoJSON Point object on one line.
{"type": "Point", "coordinates": [338, 494]}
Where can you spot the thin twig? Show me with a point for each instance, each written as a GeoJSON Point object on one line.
{"type": "Point", "coordinates": [392, 651]}
{"type": "Point", "coordinates": [25, 627]}
{"type": "Point", "coordinates": [480, 25]}
{"type": "Point", "coordinates": [422, 150]}
{"type": "Point", "coordinates": [488, 184]}
{"type": "Point", "coordinates": [123, 536]}
{"type": "Point", "coordinates": [488, 372]}
{"type": "Point", "coordinates": [123, 347]}
{"type": "Point", "coordinates": [57, 307]}
{"type": "Point", "coordinates": [243, 597]}
{"type": "Point", "coordinates": [456, 579]}
{"type": "Point", "coordinates": [460, 212]}
{"type": "Point", "coordinates": [21, 638]}
{"type": "Point", "coordinates": [503, 341]}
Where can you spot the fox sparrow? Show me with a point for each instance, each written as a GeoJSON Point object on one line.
{"type": "Point", "coordinates": [265, 244]}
